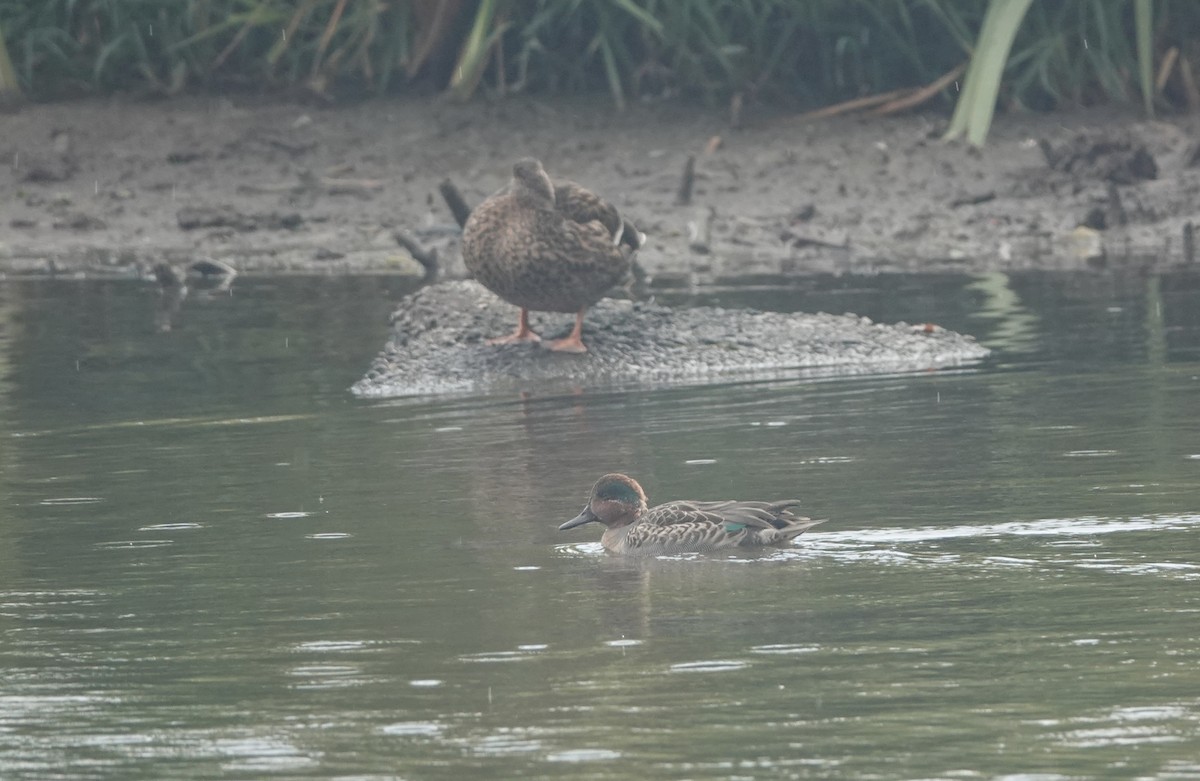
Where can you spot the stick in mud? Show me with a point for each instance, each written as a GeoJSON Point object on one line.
{"type": "Point", "coordinates": [684, 196]}
{"type": "Point", "coordinates": [454, 199]}
{"type": "Point", "coordinates": [426, 257]}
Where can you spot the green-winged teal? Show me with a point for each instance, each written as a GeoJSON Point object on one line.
{"type": "Point", "coordinates": [618, 502]}
{"type": "Point", "coordinates": [548, 246]}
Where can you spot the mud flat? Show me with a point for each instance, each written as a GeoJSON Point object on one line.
{"type": "Point", "coordinates": [438, 346]}
{"type": "Point", "coordinates": [114, 186]}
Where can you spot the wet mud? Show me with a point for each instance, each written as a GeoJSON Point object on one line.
{"type": "Point", "coordinates": [115, 187]}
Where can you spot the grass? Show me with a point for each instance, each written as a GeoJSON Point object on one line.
{"type": "Point", "coordinates": [802, 52]}
{"type": "Point", "coordinates": [10, 86]}
{"type": "Point", "coordinates": [977, 104]}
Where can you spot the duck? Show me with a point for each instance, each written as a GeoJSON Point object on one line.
{"type": "Point", "coordinates": [632, 526]}
{"type": "Point", "coordinates": [548, 246]}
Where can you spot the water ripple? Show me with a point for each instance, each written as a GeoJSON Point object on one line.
{"type": "Point", "coordinates": [509, 740]}
{"type": "Point", "coordinates": [326, 646]}
{"type": "Point", "coordinates": [408, 729]}
{"type": "Point", "coordinates": [784, 648]}
{"type": "Point", "coordinates": [710, 666]}
{"type": "Point", "coordinates": [1049, 527]}
{"type": "Point", "coordinates": [583, 755]}
{"type": "Point", "coordinates": [489, 657]}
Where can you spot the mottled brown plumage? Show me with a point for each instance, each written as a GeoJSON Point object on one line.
{"type": "Point", "coordinates": [552, 247]}
{"type": "Point", "coordinates": [618, 502]}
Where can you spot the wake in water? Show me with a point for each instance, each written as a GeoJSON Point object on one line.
{"type": "Point", "coordinates": [1085, 543]}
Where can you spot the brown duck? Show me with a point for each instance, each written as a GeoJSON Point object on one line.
{"type": "Point", "coordinates": [548, 246]}
{"type": "Point", "coordinates": [618, 502]}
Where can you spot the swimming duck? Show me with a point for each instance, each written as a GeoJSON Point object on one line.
{"type": "Point", "coordinates": [548, 246]}
{"type": "Point", "coordinates": [618, 502]}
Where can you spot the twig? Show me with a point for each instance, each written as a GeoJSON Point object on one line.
{"type": "Point", "coordinates": [867, 101]}
{"type": "Point", "coordinates": [735, 111]}
{"type": "Point", "coordinates": [454, 200]}
{"type": "Point", "coordinates": [310, 183]}
{"type": "Point", "coordinates": [426, 257]}
{"type": "Point", "coordinates": [921, 95]}
{"type": "Point", "coordinates": [887, 102]}
{"type": "Point", "coordinates": [359, 186]}
{"type": "Point", "coordinates": [700, 232]}
{"type": "Point", "coordinates": [973, 199]}
{"type": "Point", "coordinates": [1164, 70]}
{"type": "Point", "coordinates": [684, 196]}
{"type": "Point", "coordinates": [798, 240]}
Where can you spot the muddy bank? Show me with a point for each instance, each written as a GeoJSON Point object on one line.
{"type": "Point", "coordinates": [112, 187]}
{"type": "Point", "coordinates": [438, 345]}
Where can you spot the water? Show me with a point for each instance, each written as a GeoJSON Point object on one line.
{"type": "Point", "coordinates": [215, 563]}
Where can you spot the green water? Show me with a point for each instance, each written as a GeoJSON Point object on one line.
{"type": "Point", "coordinates": [216, 563]}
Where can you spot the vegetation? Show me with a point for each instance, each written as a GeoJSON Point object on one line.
{"type": "Point", "coordinates": [809, 52]}
{"type": "Point", "coordinates": [9, 86]}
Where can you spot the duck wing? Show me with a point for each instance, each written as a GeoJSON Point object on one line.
{"type": "Point", "coordinates": [706, 526]}
{"type": "Point", "coordinates": [579, 204]}
{"type": "Point", "coordinates": [758, 515]}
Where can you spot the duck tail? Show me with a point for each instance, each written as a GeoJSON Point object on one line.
{"type": "Point", "coordinates": [630, 236]}
{"type": "Point", "coordinates": [798, 527]}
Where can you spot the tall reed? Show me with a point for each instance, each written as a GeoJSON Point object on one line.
{"type": "Point", "coordinates": [808, 52]}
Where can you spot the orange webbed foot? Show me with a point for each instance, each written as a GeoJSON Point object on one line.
{"type": "Point", "coordinates": [568, 344]}
{"type": "Point", "coordinates": [516, 337]}
{"type": "Point", "coordinates": [523, 333]}
{"type": "Point", "coordinates": [571, 343]}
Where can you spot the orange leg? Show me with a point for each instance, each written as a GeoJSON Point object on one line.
{"type": "Point", "coordinates": [523, 333]}
{"type": "Point", "coordinates": [572, 343]}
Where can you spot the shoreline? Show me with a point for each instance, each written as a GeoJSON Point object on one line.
{"type": "Point", "coordinates": [110, 187]}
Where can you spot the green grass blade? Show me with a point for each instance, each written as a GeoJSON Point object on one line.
{"type": "Point", "coordinates": [640, 14]}
{"type": "Point", "coordinates": [614, 76]}
{"type": "Point", "coordinates": [981, 86]}
{"type": "Point", "coordinates": [1143, 13]}
{"type": "Point", "coordinates": [473, 56]}
{"type": "Point", "coordinates": [9, 86]}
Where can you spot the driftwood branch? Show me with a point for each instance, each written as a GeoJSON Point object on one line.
{"type": "Point", "coordinates": [888, 102]}
{"type": "Point", "coordinates": [917, 97]}
{"type": "Point", "coordinates": [867, 101]}
{"type": "Point", "coordinates": [454, 200]}
{"type": "Point", "coordinates": [684, 196]}
{"type": "Point", "coordinates": [311, 183]}
{"type": "Point", "coordinates": [426, 257]}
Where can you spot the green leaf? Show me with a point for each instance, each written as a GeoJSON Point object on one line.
{"type": "Point", "coordinates": [8, 75]}
{"type": "Point", "coordinates": [614, 77]}
{"type": "Point", "coordinates": [473, 56]}
{"type": "Point", "coordinates": [981, 87]}
{"type": "Point", "coordinates": [1143, 13]}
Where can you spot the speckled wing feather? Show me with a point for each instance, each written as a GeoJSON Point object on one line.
{"type": "Point", "coordinates": [706, 526]}
{"type": "Point", "coordinates": [760, 515]}
{"type": "Point", "coordinates": [540, 259]}
{"type": "Point", "coordinates": [582, 205]}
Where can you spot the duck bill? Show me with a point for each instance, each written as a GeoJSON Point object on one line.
{"type": "Point", "coordinates": [587, 516]}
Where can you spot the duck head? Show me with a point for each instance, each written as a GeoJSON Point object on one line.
{"type": "Point", "coordinates": [530, 180]}
{"type": "Point", "coordinates": [617, 500]}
